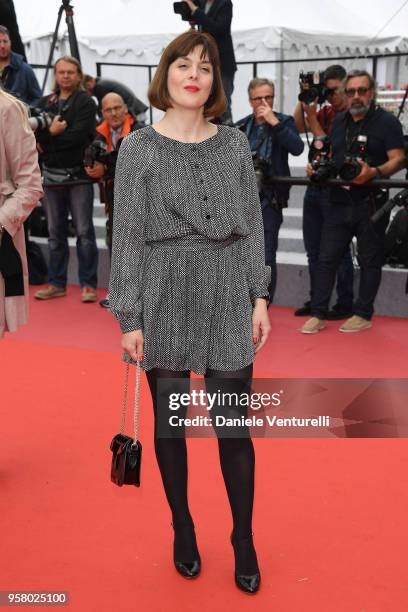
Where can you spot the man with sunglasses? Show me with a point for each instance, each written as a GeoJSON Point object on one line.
{"type": "Point", "coordinates": [315, 204]}
{"type": "Point", "coordinates": [272, 136]}
{"type": "Point", "coordinates": [352, 206]}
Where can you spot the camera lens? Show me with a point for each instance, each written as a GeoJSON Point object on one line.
{"type": "Point", "coordinates": [349, 170]}
{"type": "Point", "coordinates": [308, 95]}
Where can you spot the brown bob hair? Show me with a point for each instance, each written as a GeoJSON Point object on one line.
{"type": "Point", "coordinates": [181, 46]}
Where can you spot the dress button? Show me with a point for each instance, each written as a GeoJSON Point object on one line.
{"type": "Point", "coordinates": [201, 181]}
{"type": "Point", "coordinates": [208, 216]}
{"type": "Point", "coordinates": [194, 149]}
{"type": "Point", "coordinates": [196, 166]}
{"type": "Point", "coordinates": [205, 198]}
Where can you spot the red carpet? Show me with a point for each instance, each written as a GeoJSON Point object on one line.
{"type": "Point", "coordinates": [330, 515]}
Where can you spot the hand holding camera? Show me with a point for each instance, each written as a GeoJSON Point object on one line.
{"type": "Point", "coordinates": [310, 108]}
{"type": "Point", "coordinates": [193, 7]}
{"type": "Point", "coordinates": [57, 126]}
{"type": "Point", "coordinates": [96, 171]}
{"type": "Point", "coordinates": [185, 9]}
{"type": "Point", "coordinates": [367, 173]}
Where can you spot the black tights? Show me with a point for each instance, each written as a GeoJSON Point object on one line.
{"type": "Point", "coordinates": [237, 456]}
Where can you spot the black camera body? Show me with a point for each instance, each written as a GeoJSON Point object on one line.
{"type": "Point", "coordinates": [182, 8]}
{"type": "Point", "coordinates": [96, 152]}
{"type": "Point", "coordinates": [351, 166]}
{"type": "Point", "coordinates": [311, 87]}
{"type": "Point", "coordinates": [320, 160]}
{"type": "Point", "coordinates": [260, 169]}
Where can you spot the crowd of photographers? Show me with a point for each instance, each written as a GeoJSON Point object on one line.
{"type": "Point", "coordinates": [357, 141]}
{"type": "Point", "coordinates": [79, 128]}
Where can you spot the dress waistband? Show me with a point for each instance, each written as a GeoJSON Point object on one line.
{"type": "Point", "coordinates": [193, 242]}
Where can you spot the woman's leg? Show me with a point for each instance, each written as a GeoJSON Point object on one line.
{"type": "Point", "coordinates": [171, 454]}
{"type": "Point", "coordinates": [237, 459]}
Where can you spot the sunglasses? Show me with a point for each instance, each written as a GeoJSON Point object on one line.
{"type": "Point", "coordinates": [361, 91]}
{"type": "Point", "coordinates": [330, 91]}
{"type": "Point", "coordinates": [260, 98]}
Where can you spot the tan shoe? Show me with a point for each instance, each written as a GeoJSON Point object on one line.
{"type": "Point", "coordinates": [312, 326]}
{"type": "Point", "coordinates": [88, 294]}
{"type": "Point", "coordinates": [355, 324]}
{"type": "Point", "coordinates": [50, 292]}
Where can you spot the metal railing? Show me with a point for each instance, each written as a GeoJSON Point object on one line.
{"type": "Point", "coordinates": [255, 64]}
{"type": "Point", "coordinates": [304, 180]}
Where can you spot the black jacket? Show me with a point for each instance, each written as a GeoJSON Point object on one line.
{"type": "Point", "coordinates": [67, 149]}
{"type": "Point", "coordinates": [217, 22]}
{"type": "Point", "coordinates": [105, 86]}
{"type": "Point", "coordinates": [283, 139]}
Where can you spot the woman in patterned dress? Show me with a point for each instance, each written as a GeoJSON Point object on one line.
{"type": "Point", "coordinates": [188, 282]}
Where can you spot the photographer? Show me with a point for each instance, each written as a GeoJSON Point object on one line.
{"type": "Point", "coordinates": [117, 123]}
{"type": "Point", "coordinates": [67, 187]}
{"type": "Point", "coordinates": [98, 87]}
{"type": "Point", "coordinates": [315, 203]}
{"type": "Point", "coordinates": [272, 136]}
{"type": "Point", "coordinates": [367, 143]}
{"type": "Point", "coordinates": [215, 17]}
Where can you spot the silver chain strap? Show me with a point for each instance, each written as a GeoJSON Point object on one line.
{"type": "Point", "coordinates": [136, 403]}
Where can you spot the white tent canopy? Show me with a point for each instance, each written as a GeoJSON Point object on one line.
{"type": "Point", "coordinates": [124, 17]}
{"type": "Point", "coordinates": [269, 45]}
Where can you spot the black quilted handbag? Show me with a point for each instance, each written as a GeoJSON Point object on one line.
{"type": "Point", "coordinates": [126, 451]}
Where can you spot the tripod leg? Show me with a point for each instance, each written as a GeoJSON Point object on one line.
{"type": "Point", "coordinates": [53, 44]}
{"type": "Point", "coordinates": [73, 42]}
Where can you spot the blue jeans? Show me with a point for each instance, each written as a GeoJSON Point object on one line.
{"type": "Point", "coordinates": [315, 212]}
{"type": "Point", "coordinates": [272, 219]}
{"type": "Point", "coordinates": [58, 201]}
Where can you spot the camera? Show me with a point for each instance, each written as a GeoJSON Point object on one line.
{"type": "Point", "coordinates": [351, 166]}
{"type": "Point", "coordinates": [319, 158]}
{"type": "Point", "coordinates": [96, 152]}
{"type": "Point", "coordinates": [259, 169]}
{"type": "Point", "coordinates": [400, 199]}
{"type": "Point", "coordinates": [311, 87]}
{"type": "Point", "coordinates": [182, 8]}
{"type": "Point", "coordinates": [39, 119]}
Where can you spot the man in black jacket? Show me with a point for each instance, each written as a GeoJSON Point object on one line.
{"type": "Point", "coordinates": [214, 17]}
{"type": "Point", "coordinates": [67, 187]}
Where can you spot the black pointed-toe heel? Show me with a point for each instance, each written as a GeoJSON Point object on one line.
{"type": "Point", "coordinates": [190, 566]}
{"type": "Point", "coordinates": [244, 549]}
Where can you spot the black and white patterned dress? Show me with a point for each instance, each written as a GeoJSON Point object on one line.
{"type": "Point", "coordinates": [188, 252]}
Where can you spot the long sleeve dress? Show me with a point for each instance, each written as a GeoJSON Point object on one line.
{"type": "Point", "coordinates": [188, 251]}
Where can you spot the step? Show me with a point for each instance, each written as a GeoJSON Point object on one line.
{"type": "Point", "coordinates": [293, 279]}
{"type": "Point", "coordinates": [292, 218]}
{"type": "Point", "coordinates": [291, 239]}
{"type": "Point", "coordinates": [292, 287]}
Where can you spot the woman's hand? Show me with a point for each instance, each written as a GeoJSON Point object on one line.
{"type": "Point", "coordinates": [260, 323]}
{"type": "Point", "coordinates": [132, 344]}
